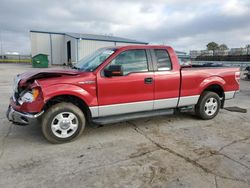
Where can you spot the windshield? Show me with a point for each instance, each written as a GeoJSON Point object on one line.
{"type": "Point", "coordinates": [92, 61]}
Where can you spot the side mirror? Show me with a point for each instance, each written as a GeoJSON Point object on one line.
{"type": "Point", "coordinates": [113, 70]}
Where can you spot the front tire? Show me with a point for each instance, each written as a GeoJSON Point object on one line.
{"type": "Point", "coordinates": [63, 122]}
{"type": "Point", "coordinates": [208, 105]}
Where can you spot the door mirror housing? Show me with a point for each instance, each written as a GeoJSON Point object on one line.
{"type": "Point", "coordinates": [113, 70]}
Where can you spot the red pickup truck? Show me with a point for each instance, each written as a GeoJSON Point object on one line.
{"type": "Point", "coordinates": [116, 84]}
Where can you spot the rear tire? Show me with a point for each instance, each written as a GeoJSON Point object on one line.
{"type": "Point", "coordinates": [63, 122]}
{"type": "Point", "coordinates": [208, 105]}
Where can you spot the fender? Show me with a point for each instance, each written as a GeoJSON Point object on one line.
{"type": "Point", "coordinates": [213, 80]}
{"type": "Point", "coordinates": [69, 89]}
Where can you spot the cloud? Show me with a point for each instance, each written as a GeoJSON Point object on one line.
{"type": "Point", "coordinates": [183, 24]}
{"type": "Point", "coordinates": [234, 7]}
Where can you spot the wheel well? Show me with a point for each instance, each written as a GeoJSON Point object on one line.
{"type": "Point", "coordinates": [71, 99]}
{"type": "Point", "coordinates": [217, 89]}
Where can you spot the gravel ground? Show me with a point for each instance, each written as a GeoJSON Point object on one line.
{"type": "Point", "coordinates": [166, 151]}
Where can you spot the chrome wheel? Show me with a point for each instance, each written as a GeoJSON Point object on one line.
{"type": "Point", "coordinates": [211, 106]}
{"type": "Point", "coordinates": [64, 124]}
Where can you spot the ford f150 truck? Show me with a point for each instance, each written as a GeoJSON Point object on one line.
{"type": "Point", "coordinates": [117, 84]}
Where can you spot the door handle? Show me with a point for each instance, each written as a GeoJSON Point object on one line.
{"type": "Point", "coordinates": [148, 80]}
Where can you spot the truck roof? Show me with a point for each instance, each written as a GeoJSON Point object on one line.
{"type": "Point", "coordinates": [127, 47]}
{"type": "Point", "coordinates": [141, 46]}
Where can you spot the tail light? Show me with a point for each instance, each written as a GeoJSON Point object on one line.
{"type": "Point", "coordinates": [237, 77]}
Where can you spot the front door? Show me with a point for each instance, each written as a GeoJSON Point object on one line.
{"type": "Point", "coordinates": [131, 92]}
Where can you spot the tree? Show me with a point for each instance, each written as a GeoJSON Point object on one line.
{"type": "Point", "coordinates": [223, 47]}
{"type": "Point", "coordinates": [212, 46]}
{"type": "Point", "coordinates": [248, 46]}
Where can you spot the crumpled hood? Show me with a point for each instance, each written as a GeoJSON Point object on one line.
{"type": "Point", "coordinates": [45, 73]}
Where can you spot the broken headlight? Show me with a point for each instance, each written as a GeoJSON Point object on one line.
{"type": "Point", "coordinates": [29, 96]}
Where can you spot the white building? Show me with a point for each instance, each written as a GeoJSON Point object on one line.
{"type": "Point", "coordinates": [195, 53]}
{"type": "Point", "coordinates": [238, 51]}
{"type": "Point", "coordinates": [71, 47]}
{"type": "Point", "coordinates": [221, 52]}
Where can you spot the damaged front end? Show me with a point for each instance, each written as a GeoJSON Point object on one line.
{"type": "Point", "coordinates": [26, 103]}
{"type": "Point", "coordinates": [26, 99]}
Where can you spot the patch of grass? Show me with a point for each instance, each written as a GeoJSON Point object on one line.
{"type": "Point", "coordinates": [15, 60]}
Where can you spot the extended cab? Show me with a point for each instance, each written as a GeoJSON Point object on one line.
{"type": "Point", "coordinates": [116, 84]}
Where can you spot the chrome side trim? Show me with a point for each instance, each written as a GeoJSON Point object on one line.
{"type": "Point", "coordinates": [188, 100]}
{"type": "Point", "coordinates": [125, 108]}
{"type": "Point", "coordinates": [229, 94]}
{"type": "Point", "coordinates": [165, 103]}
{"type": "Point", "coordinates": [94, 111]}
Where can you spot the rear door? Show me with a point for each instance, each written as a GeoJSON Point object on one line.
{"type": "Point", "coordinates": [167, 80]}
{"type": "Point", "coordinates": [132, 92]}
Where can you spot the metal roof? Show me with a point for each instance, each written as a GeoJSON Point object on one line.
{"type": "Point", "coordinates": [103, 38]}
{"type": "Point", "coordinates": [179, 52]}
{"type": "Point", "coordinates": [94, 37]}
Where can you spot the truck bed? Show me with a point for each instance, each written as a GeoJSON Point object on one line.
{"type": "Point", "coordinates": [195, 79]}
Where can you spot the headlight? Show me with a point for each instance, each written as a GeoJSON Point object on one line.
{"type": "Point", "coordinates": [29, 96]}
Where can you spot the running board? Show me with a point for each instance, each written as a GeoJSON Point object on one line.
{"type": "Point", "coordinates": [126, 117]}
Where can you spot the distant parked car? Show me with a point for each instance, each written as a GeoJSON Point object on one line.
{"type": "Point", "coordinates": [184, 60]}
{"type": "Point", "coordinates": [209, 64]}
{"type": "Point", "coordinates": [248, 72]}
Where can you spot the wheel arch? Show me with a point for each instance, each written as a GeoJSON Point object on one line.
{"type": "Point", "coordinates": [79, 102]}
{"type": "Point", "coordinates": [218, 89]}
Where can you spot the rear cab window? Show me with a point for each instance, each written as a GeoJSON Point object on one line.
{"type": "Point", "coordinates": [163, 60]}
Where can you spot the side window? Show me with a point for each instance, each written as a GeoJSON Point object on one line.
{"type": "Point", "coordinates": [163, 60]}
{"type": "Point", "coordinates": [132, 61]}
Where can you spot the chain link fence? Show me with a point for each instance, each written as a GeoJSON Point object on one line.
{"type": "Point", "coordinates": [15, 58]}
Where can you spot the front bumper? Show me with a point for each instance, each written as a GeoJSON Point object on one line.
{"type": "Point", "coordinates": [21, 118]}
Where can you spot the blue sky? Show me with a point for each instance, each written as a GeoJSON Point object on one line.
{"type": "Point", "coordinates": [183, 24]}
